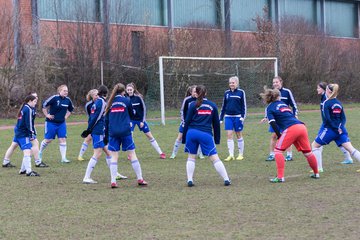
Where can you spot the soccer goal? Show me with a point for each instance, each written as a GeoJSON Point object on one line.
{"type": "Point", "coordinates": [176, 74]}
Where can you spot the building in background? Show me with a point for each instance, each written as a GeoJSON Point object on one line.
{"type": "Point", "coordinates": [41, 21]}
{"type": "Point", "coordinates": [45, 43]}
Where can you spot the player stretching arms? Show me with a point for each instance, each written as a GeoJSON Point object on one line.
{"type": "Point", "coordinates": [139, 117]}
{"type": "Point", "coordinates": [294, 132]}
{"type": "Point", "coordinates": [288, 98]}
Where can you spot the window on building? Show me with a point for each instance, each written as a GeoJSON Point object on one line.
{"type": "Point", "coordinates": [341, 18]}
{"type": "Point", "coordinates": [141, 12]}
{"type": "Point", "coordinates": [79, 10]}
{"type": "Point", "coordinates": [244, 12]}
{"type": "Point", "coordinates": [199, 13]}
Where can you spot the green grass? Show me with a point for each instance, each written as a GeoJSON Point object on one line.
{"type": "Point", "coordinates": [58, 206]}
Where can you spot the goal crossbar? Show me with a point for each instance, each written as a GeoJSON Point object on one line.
{"type": "Point", "coordinates": [161, 72]}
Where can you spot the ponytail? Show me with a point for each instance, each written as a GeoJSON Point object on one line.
{"type": "Point", "coordinates": [270, 95]}
{"type": "Point", "coordinates": [201, 92]}
{"type": "Point", "coordinates": [89, 95]}
{"type": "Point", "coordinates": [26, 100]}
{"type": "Point", "coordinates": [118, 89]}
{"type": "Point", "coordinates": [334, 89]}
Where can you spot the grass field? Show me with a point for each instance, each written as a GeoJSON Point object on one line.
{"type": "Point", "coordinates": [58, 206]}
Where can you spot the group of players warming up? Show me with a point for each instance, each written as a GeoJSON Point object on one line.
{"type": "Point", "coordinates": [112, 120]}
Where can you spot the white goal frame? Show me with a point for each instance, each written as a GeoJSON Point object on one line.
{"type": "Point", "coordinates": [161, 72]}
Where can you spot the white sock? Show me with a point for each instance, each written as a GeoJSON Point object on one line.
{"type": "Point", "coordinates": [137, 168]}
{"type": "Point", "coordinates": [90, 167]}
{"type": "Point", "coordinates": [230, 145]}
{"type": "Point", "coordinates": [155, 145]}
{"type": "Point", "coordinates": [83, 149]}
{"type": "Point", "coordinates": [62, 147]}
{"type": "Point", "coordinates": [27, 163]}
{"type": "Point", "coordinates": [318, 154]}
{"type": "Point", "coordinates": [22, 168]}
{"type": "Point", "coordinates": [289, 153]}
{"type": "Point", "coordinates": [199, 152]}
{"type": "Point", "coordinates": [37, 161]}
{"type": "Point", "coordinates": [347, 155]}
{"type": "Point", "coordinates": [176, 147]}
{"type": "Point", "coordinates": [43, 145]}
{"type": "Point", "coordinates": [272, 154]}
{"type": "Point", "coordinates": [220, 168]}
{"type": "Point", "coordinates": [113, 171]}
{"type": "Point", "coordinates": [356, 154]}
{"type": "Point", "coordinates": [6, 161]}
{"type": "Point", "coordinates": [190, 168]}
{"type": "Point", "coordinates": [241, 145]}
{"type": "Point", "coordinates": [108, 160]}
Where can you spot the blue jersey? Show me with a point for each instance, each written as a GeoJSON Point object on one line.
{"type": "Point", "coordinates": [139, 108]}
{"type": "Point", "coordinates": [118, 117]}
{"type": "Point", "coordinates": [234, 104]}
{"type": "Point", "coordinates": [322, 100]}
{"type": "Point", "coordinates": [288, 98]}
{"type": "Point", "coordinates": [281, 113]}
{"type": "Point", "coordinates": [185, 106]}
{"type": "Point", "coordinates": [97, 120]}
{"type": "Point", "coordinates": [204, 118]}
{"type": "Point", "coordinates": [33, 121]}
{"type": "Point", "coordinates": [333, 115]}
{"type": "Point", "coordinates": [58, 107]}
{"type": "Point", "coordinates": [88, 106]}
{"type": "Point", "coordinates": [24, 126]}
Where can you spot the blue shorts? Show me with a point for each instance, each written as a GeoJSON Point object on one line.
{"type": "Point", "coordinates": [233, 123]}
{"type": "Point", "coordinates": [55, 129]}
{"type": "Point", "coordinates": [126, 142]}
{"type": "Point", "coordinates": [195, 137]}
{"type": "Point", "coordinates": [98, 141]}
{"type": "Point", "coordinates": [144, 129]}
{"type": "Point", "coordinates": [327, 135]}
{"type": "Point", "coordinates": [181, 128]}
{"type": "Point", "coordinates": [24, 143]}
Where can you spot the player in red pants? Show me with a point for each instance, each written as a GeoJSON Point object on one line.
{"type": "Point", "coordinates": [294, 132]}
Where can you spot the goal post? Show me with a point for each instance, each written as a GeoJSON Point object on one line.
{"type": "Point", "coordinates": [255, 61]}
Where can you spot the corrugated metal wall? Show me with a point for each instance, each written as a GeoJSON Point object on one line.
{"type": "Point", "coordinates": [195, 13]}
{"type": "Point", "coordinates": [341, 17]}
{"type": "Point", "coordinates": [243, 12]}
{"type": "Point", "coordinates": [141, 12]}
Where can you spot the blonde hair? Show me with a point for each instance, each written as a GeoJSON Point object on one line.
{"type": "Point", "coordinates": [270, 95]}
{"type": "Point", "coordinates": [236, 79]}
{"type": "Point", "coordinates": [278, 78]}
{"type": "Point", "coordinates": [61, 87]}
{"type": "Point", "coordinates": [334, 89]}
{"type": "Point", "coordinates": [118, 89]}
{"type": "Point", "coordinates": [90, 94]}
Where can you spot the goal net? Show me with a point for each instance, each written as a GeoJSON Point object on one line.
{"type": "Point", "coordinates": [176, 74]}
